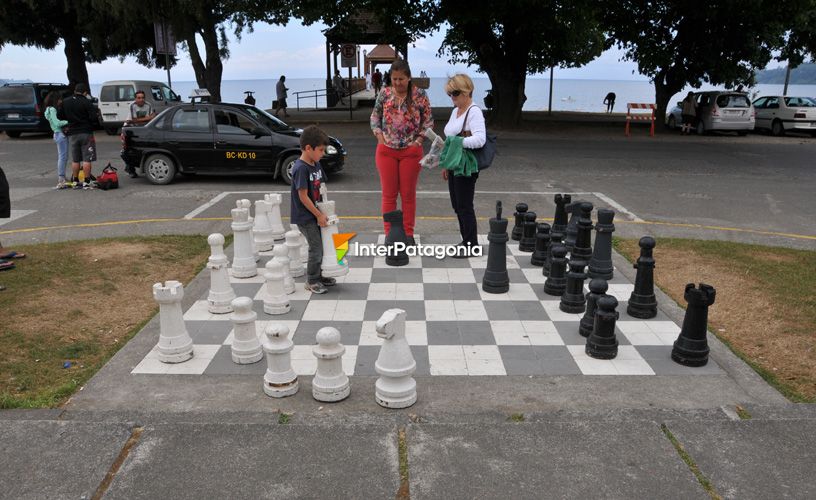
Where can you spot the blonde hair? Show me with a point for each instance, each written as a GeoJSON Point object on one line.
{"type": "Point", "coordinates": [460, 82]}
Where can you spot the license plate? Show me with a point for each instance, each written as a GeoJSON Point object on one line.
{"type": "Point", "coordinates": [13, 116]}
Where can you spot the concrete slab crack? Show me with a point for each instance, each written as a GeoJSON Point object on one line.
{"type": "Point", "coordinates": [120, 459]}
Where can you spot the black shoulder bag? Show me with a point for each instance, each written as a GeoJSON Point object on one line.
{"type": "Point", "coordinates": [485, 154]}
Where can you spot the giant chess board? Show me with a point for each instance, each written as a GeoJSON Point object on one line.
{"type": "Point", "coordinates": [452, 325]}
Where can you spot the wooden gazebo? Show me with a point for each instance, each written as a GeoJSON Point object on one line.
{"type": "Point", "coordinates": [381, 54]}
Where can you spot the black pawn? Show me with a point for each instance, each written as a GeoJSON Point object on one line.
{"type": "Point", "coordinates": [571, 232]}
{"type": "Point", "coordinates": [542, 244]}
{"type": "Point", "coordinates": [597, 288]}
{"type": "Point", "coordinates": [556, 282]}
{"type": "Point", "coordinates": [600, 265]}
{"type": "Point", "coordinates": [642, 302]}
{"type": "Point", "coordinates": [573, 300]}
{"type": "Point", "coordinates": [521, 209]}
{"type": "Point", "coordinates": [582, 249]}
{"type": "Point", "coordinates": [555, 239]}
{"type": "Point", "coordinates": [397, 255]}
{"type": "Point", "coordinates": [560, 219]}
{"type": "Point", "coordinates": [602, 343]}
{"type": "Point", "coordinates": [496, 279]}
{"type": "Point", "coordinates": [691, 346]}
{"type": "Point", "coordinates": [528, 233]}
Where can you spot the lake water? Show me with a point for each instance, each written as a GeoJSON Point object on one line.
{"type": "Point", "coordinates": [568, 94]}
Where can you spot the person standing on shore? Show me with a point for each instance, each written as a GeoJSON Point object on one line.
{"type": "Point", "coordinates": [689, 114]}
{"type": "Point", "coordinates": [81, 116]}
{"type": "Point", "coordinates": [52, 103]}
{"type": "Point", "coordinates": [402, 113]}
{"type": "Point", "coordinates": [282, 92]}
{"type": "Point", "coordinates": [609, 100]}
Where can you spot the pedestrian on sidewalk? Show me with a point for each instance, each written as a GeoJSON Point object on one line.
{"type": "Point", "coordinates": [377, 80]}
{"type": "Point", "coordinates": [689, 114]}
{"type": "Point", "coordinates": [402, 113]}
{"type": "Point", "coordinates": [81, 116]}
{"type": "Point", "coordinates": [337, 84]}
{"type": "Point", "coordinates": [282, 92]}
{"type": "Point", "coordinates": [53, 101]}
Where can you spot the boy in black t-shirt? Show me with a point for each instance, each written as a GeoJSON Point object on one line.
{"type": "Point", "coordinates": [307, 176]}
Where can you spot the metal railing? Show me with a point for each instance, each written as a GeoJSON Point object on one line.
{"type": "Point", "coordinates": [315, 93]}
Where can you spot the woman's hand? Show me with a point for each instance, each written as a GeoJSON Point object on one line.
{"type": "Point", "coordinates": [445, 174]}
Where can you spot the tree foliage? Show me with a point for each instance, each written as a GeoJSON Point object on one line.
{"type": "Point", "coordinates": [801, 42]}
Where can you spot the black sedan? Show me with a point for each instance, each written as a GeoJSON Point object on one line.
{"type": "Point", "coordinates": [218, 138]}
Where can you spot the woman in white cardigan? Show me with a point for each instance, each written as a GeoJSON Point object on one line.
{"type": "Point", "coordinates": [468, 121]}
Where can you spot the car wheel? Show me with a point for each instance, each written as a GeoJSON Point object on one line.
{"type": "Point", "coordinates": [13, 133]}
{"type": "Point", "coordinates": [701, 130]}
{"type": "Point", "coordinates": [672, 122]}
{"type": "Point", "coordinates": [777, 129]}
{"type": "Point", "coordinates": [286, 168]}
{"type": "Point", "coordinates": [160, 169]}
{"type": "Point", "coordinates": [112, 130]}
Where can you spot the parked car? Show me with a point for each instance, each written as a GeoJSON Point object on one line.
{"type": "Point", "coordinates": [218, 138]}
{"type": "Point", "coordinates": [780, 113]}
{"type": "Point", "coordinates": [717, 111]}
{"type": "Point", "coordinates": [22, 108]}
{"type": "Point", "coordinates": [115, 99]}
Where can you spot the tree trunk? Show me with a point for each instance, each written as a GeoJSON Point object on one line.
{"type": "Point", "coordinates": [76, 71]}
{"type": "Point", "coordinates": [208, 71]}
{"type": "Point", "coordinates": [508, 97]}
{"type": "Point", "coordinates": [663, 92]}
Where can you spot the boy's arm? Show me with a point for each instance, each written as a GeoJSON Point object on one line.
{"type": "Point", "coordinates": [303, 195]}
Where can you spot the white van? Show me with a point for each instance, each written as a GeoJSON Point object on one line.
{"type": "Point", "coordinates": [116, 96]}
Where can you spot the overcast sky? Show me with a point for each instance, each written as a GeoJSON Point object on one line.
{"type": "Point", "coordinates": [296, 51]}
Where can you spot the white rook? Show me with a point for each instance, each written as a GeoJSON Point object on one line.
{"type": "Point", "coordinates": [246, 348]}
{"type": "Point", "coordinates": [175, 344]}
{"type": "Point", "coordinates": [296, 267]}
{"type": "Point", "coordinates": [274, 200]}
{"type": "Point", "coordinates": [280, 380]}
{"type": "Point", "coordinates": [395, 388]}
{"type": "Point", "coordinates": [219, 300]}
{"type": "Point", "coordinates": [304, 245]}
{"type": "Point", "coordinates": [248, 205]}
{"type": "Point", "coordinates": [275, 301]}
{"type": "Point", "coordinates": [281, 256]}
{"type": "Point", "coordinates": [330, 267]}
{"type": "Point", "coordinates": [330, 383]}
{"type": "Point", "coordinates": [262, 229]}
{"type": "Point", "coordinates": [243, 262]}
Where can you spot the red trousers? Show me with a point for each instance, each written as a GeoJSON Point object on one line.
{"type": "Point", "coordinates": [399, 174]}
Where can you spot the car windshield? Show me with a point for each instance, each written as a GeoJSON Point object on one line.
{"type": "Point", "coordinates": [268, 120]}
{"type": "Point", "coordinates": [733, 101]}
{"type": "Point", "coordinates": [800, 102]}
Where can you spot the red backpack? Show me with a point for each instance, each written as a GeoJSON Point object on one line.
{"type": "Point", "coordinates": [109, 179]}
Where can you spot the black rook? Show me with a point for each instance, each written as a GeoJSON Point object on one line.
{"type": "Point", "coordinates": [691, 346]}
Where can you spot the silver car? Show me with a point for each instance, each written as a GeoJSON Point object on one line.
{"type": "Point", "coordinates": [781, 113]}
{"type": "Point", "coordinates": [717, 110]}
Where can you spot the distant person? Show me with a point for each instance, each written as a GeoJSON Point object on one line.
{"type": "Point", "coordinates": [81, 116]}
{"type": "Point", "coordinates": [609, 100]}
{"type": "Point", "coordinates": [377, 79]}
{"type": "Point", "coordinates": [141, 111]}
{"type": "Point", "coordinates": [337, 84]}
{"type": "Point", "coordinates": [282, 92]}
{"type": "Point", "coordinates": [53, 101]}
{"type": "Point", "coordinates": [402, 113]}
{"type": "Point", "coordinates": [689, 114]}
{"type": "Point", "coordinates": [368, 80]}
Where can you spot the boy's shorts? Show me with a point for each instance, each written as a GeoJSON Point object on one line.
{"type": "Point", "coordinates": [82, 147]}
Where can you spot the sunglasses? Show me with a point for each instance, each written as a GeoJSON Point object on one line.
{"type": "Point", "coordinates": [455, 93]}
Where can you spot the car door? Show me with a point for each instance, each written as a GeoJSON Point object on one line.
{"type": "Point", "coordinates": [761, 113]}
{"type": "Point", "coordinates": [190, 138]}
{"type": "Point", "coordinates": [241, 143]}
{"type": "Point", "coordinates": [771, 111]}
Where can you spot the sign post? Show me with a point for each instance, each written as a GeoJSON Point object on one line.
{"type": "Point", "coordinates": [348, 59]}
{"type": "Point", "coordinates": [165, 44]}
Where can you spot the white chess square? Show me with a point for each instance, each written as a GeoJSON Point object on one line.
{"type": "Point", "coordinates": [632, 366]}
{"type": "Point", "coordinates": [542, 333]}
{"type": "Point", "coordinates": [535, 276]}
{"type": "Point", "coordinates": [305, 367]}
{"type": "Point", "coordinates": [356, 275]}
{"type": "Point", "coordinates": [409, 291]}
{"type": "Point", "coordinates": [368, 334]}
{"type": "Point", "coordinates": [382, 291]}
{"type": "Point", "coordinates": [621, 291]}
{"type": "Point", "coordinates": [470, 310]}
{"type": "Point", "coordinates": [438, 352]}
{"type": "Point", "coordinates": [556, 314]}
{"type": "Point", "coordinates": [509, 333]}
{"type": "Point", "coordinates": [448, 367]}
{"type": "Point", "coordinates": [477, 367]}
{"type": "Point", "coordinates": [486, 352]}
{"type": "Point", "coordinates": [349, 310]}
{"type": "Point", "coordinates": [198, 312]}
{"type": "Point", "coordinates": [202, 356]}
{"type": "Point", "coordinates": [435, 275]}
{"type": "Point", "coordinates": [302, 352]}
{"type": "Point", "coordinates": [320, 310]}
{"type": "Point", "coordinates": [416, 332]}
{"type": "Point", "coordinates": [440, 310]}
{"type": "Point", "coordinates": [349, 360]}
{"type": "Point", "coordinates": [460, 275]}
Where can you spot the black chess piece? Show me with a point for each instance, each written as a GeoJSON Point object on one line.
{"type": "Point", "coordinates": [521, 209]}
{"type": "Point", "coordinates": [691, 346]}
{"type": "Point", "coordinates": [560, 218]}
{"type": "Point", "coordinates": [397, 254]}
{"type": "Point", "coordinates": [602, 342]}
{"type": "Point", "coordinates": [597, 288]}
{"type": "Point", "coordinates": [556, 282]}
{"type": "Point", "coordinates": [573, 300]}
{"type": "Point", "coordinates": [556, 238]}
{"type": "Point", "coordinates": [571, 232]}
{"type": "Point", "coordinates": [496, 279]}
{"type": "Point", "coordinates": [528, 232]}
{"type": "Point", "coordinates": [600, 265]}
{"type": "Point", "coordinates": [582, 249]}
{"type": "Point", "coordinates": [642, 302]}
{"type": "Point", "coordinates": [542, 244]}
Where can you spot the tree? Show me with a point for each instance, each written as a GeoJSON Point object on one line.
{"type": "Point", "coordinates": [519, 37]}
{"type": "Point", "coordinates": [678, 43]}
{"type": "Point", "coordinates": [801, 41]}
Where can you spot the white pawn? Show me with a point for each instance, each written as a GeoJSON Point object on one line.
{"type": "Point", "coordinates": [219, 300]}
{"type": "Point", "coordinates": [281, 255]}
{"type": "Point", "coordinates": [261, 229]}
{"type": "Point", "coordinates": [395, 388]}
{"type": "Point", "coordinates": [246, 348]}
{"type": "Point", "coordinates": [330, 383]}
{"type": "Point", "coordinates": [275, 301]}
{"type": "Point", "coordinates": [248, 205]}
{"type": "Point", "coordinates": [274, 200]}
{"type": "Point", "coordinates": [243, 262]}
{"type": "Point", "coordinates": [175, 344]}
{"type": "Point", "coordinates": [304, 245]}
{"type": "Point", "coordinates": [280, 380]}
{"type": "Point", "coordinates": [330, 267]}
{"type": "Point", "coordinates": [296, 267]}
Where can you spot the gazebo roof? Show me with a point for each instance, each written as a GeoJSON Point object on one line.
{"type": "Point", "coordinates": [382, 53]}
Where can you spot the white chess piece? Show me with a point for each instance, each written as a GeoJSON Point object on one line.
{"type": "Point", "coordinates": [330, 383]}
{"type": "Point", "coordinates": [246, 348]}
{"type": "Point", "coordinates": [274, 200]}
{"type": "Point", "coordinates": [395, 388]}
{"type": "Point", "coordinates": [275, 301]}
{"type": "Point", "coordinates": [330, 268]}
{"type": "Point", "coordinates": [280, 380]}
{"type": "Point", "coordinates": [243, 262]}
{"type": "Point", "coordinates": [304, 244]}
{"type": "Point", "coordinates": [281, 255]}
{"type": "Point", "coordinates": [261, 229]}
{"type": "Point", "coordinates": [296, 267]}
{"type": "Point", "coordinates": [175, 344]}
{"type": "Point", "coordinates": [248, 205]}
{"type": "Point", "coordinates": [219, 300]}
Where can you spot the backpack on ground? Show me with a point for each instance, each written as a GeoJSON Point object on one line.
{"type": "Point", "coordinates": [108, 179]}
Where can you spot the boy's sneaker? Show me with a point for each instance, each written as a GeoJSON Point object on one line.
{"type": "Point", "coordinates": [77, 185]}
{"type": "Point", "coordinates": [62, 185]}
{"type": "Point", "coordinates": [328, 281]}
{"type": "Point", "coordinates": [88, 185]}
{"type": "Point", "coordinates": [317, 288]}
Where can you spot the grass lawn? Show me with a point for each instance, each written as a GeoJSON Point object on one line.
{"type": "Point", "coordinates": [765, 309]}
{"type": "Point", "coordinates": [79, 302]}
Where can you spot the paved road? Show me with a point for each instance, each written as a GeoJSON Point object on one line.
{"type": "Point", "coordinates": [754, 189]}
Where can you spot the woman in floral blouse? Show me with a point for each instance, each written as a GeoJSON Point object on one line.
{"type": "Point", "coordinates": [401, 115]}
